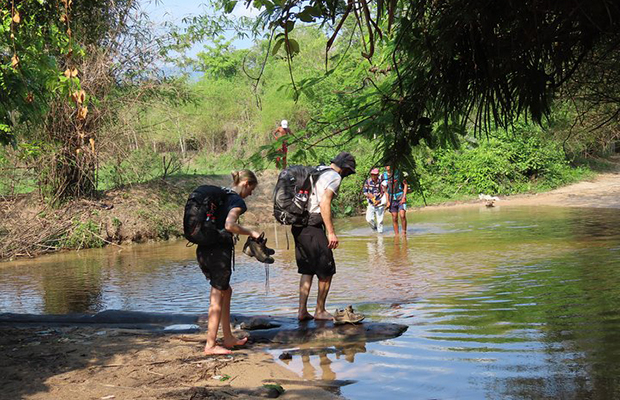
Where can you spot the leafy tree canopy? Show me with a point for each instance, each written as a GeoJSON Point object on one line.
{"type": "Point", "coordinates": [448, 62]}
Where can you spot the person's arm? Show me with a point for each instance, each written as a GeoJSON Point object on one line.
{"type": "Point", "coordinates": [232, 225]}
{"type": "Point", "coordinates": [326, 214]}
{"type": "Point", "coordinates": [405, 187]}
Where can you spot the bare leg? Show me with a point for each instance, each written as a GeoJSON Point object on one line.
{"type": "Point", "coordinates": [395, 222]}
{"type": "Point", "coordinates": [403, 220]}
{"type": "Point", "coordinates": [215, 315]}
{"type": "Point", "coordinates": [229, 339]}
{"type": "Point", "coordinates": [305, 283]}
{"type": "Point", "coordinates": [321, 312]}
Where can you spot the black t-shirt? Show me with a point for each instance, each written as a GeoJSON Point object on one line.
{"type": "Point", "coordinates": [233, 200]}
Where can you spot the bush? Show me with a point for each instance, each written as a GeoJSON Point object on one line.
{"type": "Point", "coordinates": [525, 159]}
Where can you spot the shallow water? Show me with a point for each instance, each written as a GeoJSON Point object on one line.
{"type": "Point", "coordinates": [501, 303]}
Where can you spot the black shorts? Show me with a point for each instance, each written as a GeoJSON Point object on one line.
{"type": "Point", "coordinates": [215, 263]}
{"type": "Point", "coordinates": [311, 251]}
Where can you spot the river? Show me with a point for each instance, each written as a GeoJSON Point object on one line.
{"type": "Point", "coordinates": [504, 302]}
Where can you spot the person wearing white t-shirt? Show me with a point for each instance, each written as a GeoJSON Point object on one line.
{"type": "Point", "coordinates": [315, 241]}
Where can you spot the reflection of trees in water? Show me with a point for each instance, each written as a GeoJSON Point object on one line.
{"type": "Point", "coordinates": [560, 319]}
{"type": "Point", "coordinates": [73, 289]}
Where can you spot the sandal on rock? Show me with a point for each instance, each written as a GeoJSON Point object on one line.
{"type": "Point", "coordinates": [347, 316]}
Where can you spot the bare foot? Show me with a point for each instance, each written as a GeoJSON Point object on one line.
{"type": "Point", "coordinates": [323, 316]}
{"type": "Point", "coordinates": [232, 342]}
{"type": "Point", "coordinates": [305, 316]}
{"type": "Point", "coordinates": [217, 351]}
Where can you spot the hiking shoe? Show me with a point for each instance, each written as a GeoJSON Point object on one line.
{"type": "Point", "coordinates": [347, 316]}
{"type": "Point", "coordinates": [257, 248]}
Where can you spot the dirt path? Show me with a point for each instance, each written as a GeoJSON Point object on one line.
{"type": "Point", "coordinates": [603, 191]}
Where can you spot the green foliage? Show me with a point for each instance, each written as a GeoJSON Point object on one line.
{"type": "Point", "coordinates": [506, 163]}
{"type": "Point", "coordinates": [83, 235]}
{"type": "Point", "coordinates": [219, 61]}
{"type": "Point", "coordinates": [139, 166]}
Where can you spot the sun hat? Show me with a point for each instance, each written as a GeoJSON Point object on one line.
{"type": "Point", "coordinates": [345, 160]}
{"type": "Point", "coordinates": [284, 124]}
{"type": "Point", "coordinates": [374, 171]}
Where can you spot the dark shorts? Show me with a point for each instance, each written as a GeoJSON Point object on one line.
{"type": "Point", "coordinates": [311, 251]}
{"type": "Point", "coordinates": [396, 207]}
{"type": "Point", "coordinates": [216, 263]}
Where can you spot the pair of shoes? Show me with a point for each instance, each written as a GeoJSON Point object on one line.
{"type": "Point", "coordinates": [258, 249]}
{"type": "Point", "coordinates": [347, 316]}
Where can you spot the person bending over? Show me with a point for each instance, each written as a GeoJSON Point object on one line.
{"type": "Point", "coordinates": [216, 261]}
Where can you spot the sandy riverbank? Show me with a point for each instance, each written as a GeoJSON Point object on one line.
{"type": "Point", "coordinates": [603, 191]}
{"type": "Point", "coordinates": [99, 363]}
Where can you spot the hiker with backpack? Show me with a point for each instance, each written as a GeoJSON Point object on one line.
{"type": "Point", "coordinates": [211, 219]}
{"type": "Point", "coordinates": [315, 240]}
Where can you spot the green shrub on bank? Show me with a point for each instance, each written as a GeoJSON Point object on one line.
{"type": "Point", "coordinates": [84, 235]}
{"type": "Point", "coordinates": [523, 160]}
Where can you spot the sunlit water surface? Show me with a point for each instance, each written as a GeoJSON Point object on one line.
{"type": "Point", "coordinates": [519, 303]}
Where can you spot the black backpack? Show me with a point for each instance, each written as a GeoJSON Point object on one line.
{"type": "Point", "coordinates": [203, 219]}
{"type": "Point", "coordinates": [292, 192]}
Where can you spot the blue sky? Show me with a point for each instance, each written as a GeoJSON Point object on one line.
{"type": "Point", "coordinates": [175, 10]}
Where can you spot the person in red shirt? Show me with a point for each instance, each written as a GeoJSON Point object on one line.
{"type": "Point", "coordinates": [277, 134]}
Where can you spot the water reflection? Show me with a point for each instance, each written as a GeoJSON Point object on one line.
{"type": "Point", "coordinates": [500, 303]}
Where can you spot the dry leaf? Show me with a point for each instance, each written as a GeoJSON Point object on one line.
{"type": "Point", "coordinates": [14, 61]}
{"type": "Point", "coordinates": [79, 96]}
{"type": "Point", "coordinates": [16, 18]}
{"type": "Point", "coordinates": [63, 18]}
{"type": "Point", "coordinates": [74, 72]}
{"type": "Point", "coordinates": [82, 112]}
{"type": "Point", "coordinates": [77, 151]}
{"type": "Point", "coordinates": [92, 144]}
{"type": "Point", "coordinates": [67, 73]}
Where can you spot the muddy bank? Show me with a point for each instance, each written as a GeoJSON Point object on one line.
{"type": "Point", "coordinates": [134, 214]}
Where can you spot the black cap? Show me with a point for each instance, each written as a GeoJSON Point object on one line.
{"type": "Point", "coordinates": [345, 160]}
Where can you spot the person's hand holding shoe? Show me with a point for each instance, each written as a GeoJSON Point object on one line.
{"type": "Point", "coordinates": [258, 249]}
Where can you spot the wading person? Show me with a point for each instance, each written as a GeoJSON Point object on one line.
{"type": "Point", "coordinates": [373, 190]}
{"type": "Point", "coordinates": [396, 189]}
{"type": "Point", "coordinates": [282, 130]}
{"type": "Point", "coordinates": [314, 242]}
{"type": "Point", "coordinates": [215, 261]}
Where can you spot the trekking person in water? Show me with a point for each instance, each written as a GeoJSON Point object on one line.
{"type": "Point", "coordinates": [216, 261]}
{"type": "Point", "coordinates": [396, 189]}
{"type": "Point", "coordinates": [315, 241]}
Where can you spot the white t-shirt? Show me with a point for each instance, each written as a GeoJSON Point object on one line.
{"type": "Point", "coordinates": [327, 180]}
